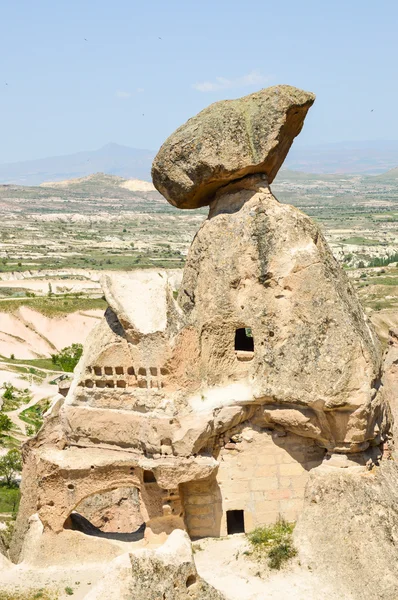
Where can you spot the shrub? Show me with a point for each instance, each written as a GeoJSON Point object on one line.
{"type": "Point", "coordinates": [275, 542]}
{"type": "Point", "coordinates": [5, 423]}
{"type": "Point", "coordinates": [9, 393]}
{"type": "Point", "coordinates": [30, 430]}
{"type": "Point", "coordinates": [68, 358]}
{"type": "Point", "coordinates": [14, 397]}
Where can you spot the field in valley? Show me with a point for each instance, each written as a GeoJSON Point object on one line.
{"type": "Point", "coordinates": [65, 234]}
{"type": "Point", "coordinates": [56, 240]}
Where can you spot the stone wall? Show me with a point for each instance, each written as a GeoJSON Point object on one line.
{"type": "Point", "coordinates": [262, 473]}
{"type": "Point", "coordinates": [203, 507]}
{"type": "Point", "coordinates": [113, 511]}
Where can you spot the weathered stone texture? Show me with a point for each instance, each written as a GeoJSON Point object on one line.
{"type": "Point", "coordinates": [316, 363]}
{"type": "Point", "coordinates": [347, 532]}
{"type": "Point", "coordinates": [227, 141]}
{"type": "Point", "coordinates": [168, 573]}
{"type": "Point", "coordinates": [228, 394]}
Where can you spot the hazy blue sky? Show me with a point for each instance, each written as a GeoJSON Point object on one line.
{"type": "Point", "coordinates": [65, 94]}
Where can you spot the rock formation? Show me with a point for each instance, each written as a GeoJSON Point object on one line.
{"type": "Point", "coordinates": [347, 533]}
{"type": "Point", "coordinates": [228, 141]}
{"type": "Point", "coordinates": [216, 403]}
{"type": "Point", "coordinates": [168, 573]}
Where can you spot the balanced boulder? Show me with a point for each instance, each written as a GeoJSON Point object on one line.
{"type": "Point", "coordinates": [227, 141]}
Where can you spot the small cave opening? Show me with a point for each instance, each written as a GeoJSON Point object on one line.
{"type": "Point", "coordinates": [149, 477]}
{"type": "Point", "coordinates": [244, 340]}
{"type": "Point", "coordinates": [235, 521]}
{"type": "Point", "coordinates": [191, 580]}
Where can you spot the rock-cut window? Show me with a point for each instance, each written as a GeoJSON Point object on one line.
{"type": "Point", "coordinates": [244, 339]}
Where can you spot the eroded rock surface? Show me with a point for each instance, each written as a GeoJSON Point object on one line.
{"type": "Point", "coordinates": [227, 141]}
{"type": "Point", "coordinates": [215, 396]}
{"type": "Point", "coordinates": [168, 573]}
{"type": "Point", "coordinates": [347, 532]}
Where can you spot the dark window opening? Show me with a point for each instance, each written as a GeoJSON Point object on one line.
{"type": "Point", "coordinates": [235, 521]}
{"type": "Point", "coordinates": [244, 339]}
{"type": "Point", "coordinates": [149, 477]}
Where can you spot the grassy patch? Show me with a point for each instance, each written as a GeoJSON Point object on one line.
{"type": "Point", "coordinates": [360, 241]}
{"type": "Point", "coordinates": [13, 397]}
{"type": "Point", "coordinates": [41, 594]}
{"type": "Point", "coordinates": [33, 416]}
{"type": "Point", "coordinates": [8, 441]}
{"type": "Point", "coordinates": [54, 306]}
{"type": "Point", "coordinates": [383, 281]}
{"type": "Point", "coordinates": [40, 363]}
{"type": "Point", "coordinates": [275, 542]}
{"type": "Point", "coordinates": [9, 499]}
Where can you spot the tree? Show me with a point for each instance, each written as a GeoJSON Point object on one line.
{"type": "Point", "coordinates": [68, 358]}
{"type": "Point", "coordinates": [5, 423]}
{"type": "Point", "coordinates": [10, 465]}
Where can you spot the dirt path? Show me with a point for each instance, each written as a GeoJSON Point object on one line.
{"type": "Point", "coordinates": [38, 392]}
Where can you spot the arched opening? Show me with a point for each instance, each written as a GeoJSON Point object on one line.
{"type": "Point", "coordinates": [111, 514]}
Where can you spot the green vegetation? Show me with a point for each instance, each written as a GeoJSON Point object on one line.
{"type": "Point", "coordinates": [33, 416]}
{"type": "Point", "coordinates": [361, 241]}
{"type": "Point", "coordinates": [69, 591]}
{"type": "Point", "coordinates": [54, 305]}
{"type": "Point", "coordinates": [68, 358]}
{"type": "Point", "coordinates": [9, 498]}
{"type": "Point", "coordinates": [5, 423]}
{"type": "Point", "coordinates": [382, 262]}
{"type": "Point", "coordinates": [10, 465]}
{"type": "Point", "coordinates": [14, 397]}
{"type": "Point", "coordinates": [275, 542]}
{"type": "Point", "coordinates": [40, 363]}
{"type": "Point", "coordinates": [383, 281]}
{"type": "Point", "coordinates": [41, 594]}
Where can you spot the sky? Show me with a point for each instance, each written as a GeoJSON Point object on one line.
{"type": "Point", "coordinates": [77, 74]}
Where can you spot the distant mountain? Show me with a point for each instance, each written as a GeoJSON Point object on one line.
{"type": "Point", "coordinates": [100, 181]}
{"type": "Point", "coordinates": [91, 195]}
{"type": "Point", "coordinates": [129, 163]}
{"type": "Point", "coordinates": [367, 158]}
{"type": "Point", "coordinates": [391, 175]}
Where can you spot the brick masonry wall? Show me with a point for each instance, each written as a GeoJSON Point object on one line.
{"type": "Point", "coordinates": [262, 473]}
